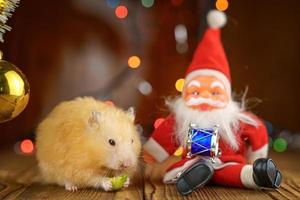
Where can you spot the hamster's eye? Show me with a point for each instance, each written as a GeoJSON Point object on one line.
{"type": "Point", "coordinates": [131, 140]}
{"type": "Point", "coordinates": [112, 142]}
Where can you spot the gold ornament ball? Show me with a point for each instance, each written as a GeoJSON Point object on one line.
{"type": "Point", "coordinates": [14, 91]}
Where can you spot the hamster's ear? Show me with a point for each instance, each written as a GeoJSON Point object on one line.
{"type": "Point", "coordinates": [131, 113]}
{"type": "Point", "coordinates": [94, 119]}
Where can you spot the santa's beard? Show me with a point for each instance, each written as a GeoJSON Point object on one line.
{"type": "Point", "coordinates": [227, 118]}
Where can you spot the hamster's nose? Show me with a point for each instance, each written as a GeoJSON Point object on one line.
{"type": "Point", "coordinates": [126, 163]}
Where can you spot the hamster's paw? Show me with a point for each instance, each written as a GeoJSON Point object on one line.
{"type": "Point", "coordinates": [106, 184]}
{"type": "Point", "coordinates": [70, 187]}
{"type": "Point", "coordinates": [127, 182]}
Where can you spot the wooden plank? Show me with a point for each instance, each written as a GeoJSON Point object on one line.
{"type": "Point", "coordinates": [18, 180]}
{"type": "Point", "coordinates": [237, 193]}
{"type": "Point", "coordinates": [289, 189]}
{"type": "Point", "coordinates": [22, 170]}
{"type": "Point", "coordinates": [10, 189]}
{"type": "Point", "coordinates": [161, 191]}
{"type": "Point", "coordinates": [135, 190]}
{"type": "Point", "coordinates": [17, 168]}
{"type": "Point", "coordinates": [38, 191]}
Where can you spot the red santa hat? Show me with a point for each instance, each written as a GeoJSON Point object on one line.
{"type": "Point", "coordinates": [209, 58]}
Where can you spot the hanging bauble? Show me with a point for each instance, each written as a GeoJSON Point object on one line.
{"type": "Point", "coordinates": [14, 91]}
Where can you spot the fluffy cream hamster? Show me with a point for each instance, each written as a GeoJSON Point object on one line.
{"type": "Point", "coordinates": [83, 141]}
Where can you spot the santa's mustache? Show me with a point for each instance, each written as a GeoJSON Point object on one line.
{"type": "Point", "coordinates": [197, 101]}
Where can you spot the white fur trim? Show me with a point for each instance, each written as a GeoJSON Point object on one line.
{"type": "Point", "coordinates": [218, 164]}
{"type": "Point", "coordinates": [260, 153]}
{"type": "Point", "coordinates": [155, 150]}
{"type": "Point", "coordinates": [247, 177]}
{"type": "Point", "coordinates": [209, 72]}
{"type": "Point", "coordinates": [216, 19]}
{"type": "Point", "coordinates": [170, 176]}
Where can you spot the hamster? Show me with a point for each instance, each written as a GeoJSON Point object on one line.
{"type": "Point", "coordinates": [84, 141]}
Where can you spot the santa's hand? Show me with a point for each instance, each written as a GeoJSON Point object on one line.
{"type": "Point", "coordinates": [156, 171]}
{"type": "Point", "coordinates": [153, 172]}
{"type": "Point", "coordinates": [148, 170]}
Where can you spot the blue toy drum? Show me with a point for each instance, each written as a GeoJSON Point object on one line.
{"type": "Point", "coordinates": [204, 142]}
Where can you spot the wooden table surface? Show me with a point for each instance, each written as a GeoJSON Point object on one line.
{"type": "Point", "coordinates": [18, 180]}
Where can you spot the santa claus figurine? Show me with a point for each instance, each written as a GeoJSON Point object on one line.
{"type": "Point", "coordinates": [206, 101]}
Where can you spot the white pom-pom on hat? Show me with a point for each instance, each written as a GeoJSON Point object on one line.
{"type": "Point", "coordinates": [216, 19]}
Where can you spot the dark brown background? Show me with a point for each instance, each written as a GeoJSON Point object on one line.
{"type": "Point", "coordinates": [71, 48]}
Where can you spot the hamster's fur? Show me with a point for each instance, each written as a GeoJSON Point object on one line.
{"type": "Point", "coordinates": [83, 141]}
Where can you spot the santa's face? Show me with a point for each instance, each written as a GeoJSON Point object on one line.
{"type": "Point", "coordinates": [206, 102]}
{"type": "Point", "coordinates": [205, 93]}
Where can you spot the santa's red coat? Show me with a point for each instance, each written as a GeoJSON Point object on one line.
{"type": "Point", "coordinates": [231, 168]}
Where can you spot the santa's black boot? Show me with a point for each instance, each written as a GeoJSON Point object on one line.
{"type": "Point", "coordinates": [194, 177]}
{"type": "Point", "coordinates": [265, 173]}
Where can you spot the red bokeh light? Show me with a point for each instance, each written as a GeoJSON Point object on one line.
{"type": "Point", "coordinates": [121, 12]}
{"type": "Point", "coordinates": [26, 146]}
{"type": "Point", "coordinates": [158, 122]}
{"type": "Point", "coordinates": [110, 103]}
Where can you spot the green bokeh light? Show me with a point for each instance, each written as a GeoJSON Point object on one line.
{"type": "Point", "coordinates": [280, 145]}
{"type": "Point", "coordinates": [147, 3]}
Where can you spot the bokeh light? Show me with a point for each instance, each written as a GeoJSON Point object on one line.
{"type": "Point", "coordinates": [179, 84]}
{"type": "Point", "coordinates": [121, 12]}
{"type": "Point", "coordinates": [180, 33]}
{"type": "Point", "coordinates": [109, 102]}
{"type": "Point", "coordinates": [147, 3]}
{"type": "Point", "coordinates": [280, 145]}
{"type": "Point", "coordinates": [112, 3]}
{"type": "Point", "coordinates": [179, 151]}
{"type": "Point", "coordinates": [26, 146]}
{"type": "Point", "coordinates": [222, 5]}
{"type": "Point", "coordinates": [287, 135]}
{"type": "Point", "coordinates": [158, 122]}
{"type": "Point", "coordinates": [134, 62]}
{"type": "Point", "coordinates": [182, 47]}
{"type": "Point", "coordinates": [145, 87]}
{"type": "Point", "coordinates": [296, 141]}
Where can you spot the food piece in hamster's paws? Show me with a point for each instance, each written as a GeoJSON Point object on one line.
{"type": "Point", "coordinates": [118, 182]}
